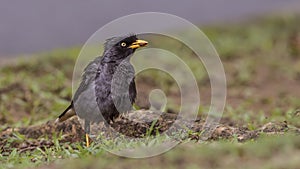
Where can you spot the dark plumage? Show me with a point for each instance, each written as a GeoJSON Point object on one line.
{"type": "Point", "coordinates": [107, 87]}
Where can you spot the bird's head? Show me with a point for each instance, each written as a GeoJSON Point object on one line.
{"type": "Point", "coordinates": [119, 48]}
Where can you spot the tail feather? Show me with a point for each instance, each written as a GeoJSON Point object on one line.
{"type": "Point", "coordinates": [69, 112]}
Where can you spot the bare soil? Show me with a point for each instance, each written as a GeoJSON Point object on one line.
{"type": "Point", "coordinates": [71, 131]}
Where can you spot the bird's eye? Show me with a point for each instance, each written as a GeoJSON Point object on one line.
{"type": "Point", "coordinates": [123, 44]}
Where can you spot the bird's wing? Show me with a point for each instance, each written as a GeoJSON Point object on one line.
{"type": "Point", "coordinates": [84, 99]}
{"type": "Point", "coordinates": [88, 77]}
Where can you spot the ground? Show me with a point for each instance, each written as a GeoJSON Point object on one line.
{"type": "Point", "coordinates": [260, 126]}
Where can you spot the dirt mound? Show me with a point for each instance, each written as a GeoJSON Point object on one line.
{"type": "Point", "coordinates": [134, 124]}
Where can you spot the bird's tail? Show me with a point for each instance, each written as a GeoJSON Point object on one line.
{"type": "Point", "coordinates": [69, 112]}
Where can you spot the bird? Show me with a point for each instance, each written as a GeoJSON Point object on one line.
{"type": "Point", "coordinates": [107, 86]}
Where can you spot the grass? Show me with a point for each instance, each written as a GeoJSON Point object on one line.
{"type": "Point", "coordinates": [261, 60]}
{"type": "Point", "coordinates": [266, 152]}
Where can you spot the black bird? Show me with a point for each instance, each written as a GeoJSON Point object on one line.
{"type": "Point", "coordinates": [107, 87]}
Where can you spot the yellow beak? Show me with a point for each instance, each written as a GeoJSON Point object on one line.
{"type": "Point", "coordinates": [138, 44]}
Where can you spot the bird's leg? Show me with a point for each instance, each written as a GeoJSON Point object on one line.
{"type": "Point", "coordinates": [87, 139]}
{"type": "Point", "coordinates": [87, 132]}
{"type": "Point", "coordinates": [109, 129]}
